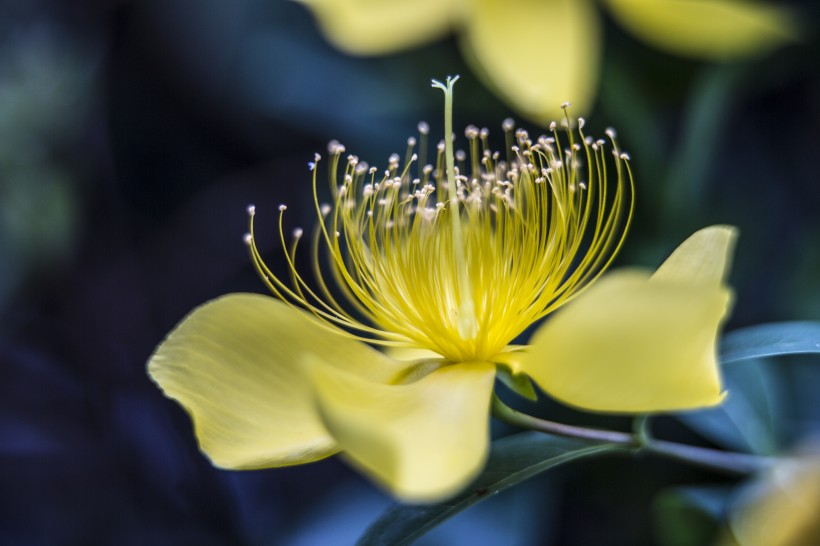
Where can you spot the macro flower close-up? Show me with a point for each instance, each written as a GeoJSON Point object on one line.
{"type": "Point", "coordinates": [536, 53]}
{"type": "Point", "coordinates": [264, 281]}
{"type": "Point", "coordinates": [442, 267]}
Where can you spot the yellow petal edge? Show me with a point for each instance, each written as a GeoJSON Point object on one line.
{"type": "Point", "coordinates": [234, 364]}
{"type": "Point", "coordinates": [537, 54]}
{"type": "Point", "coordinates": [709, 29]}
{"type": "Point", "coordinates": [634, 343]}
{"type": "Point", "coordinates": [422, 441]}
{"type": "Point", "coordinates": [706, 256]}
{"type": "Point", "coordinates": [365, 27]}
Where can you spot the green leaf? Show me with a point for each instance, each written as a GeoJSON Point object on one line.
{"type": "Point", "coordinates": [778, 338]}
{"type": "Point", "coordinates": [750, 417]}
{"type": "Point", "coordinates": [512, 460]}
{"type": "Point", "coordinates": [689, 516]}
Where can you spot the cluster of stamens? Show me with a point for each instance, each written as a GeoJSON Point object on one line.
{"type": "Point", "coordinates": [536, 224]}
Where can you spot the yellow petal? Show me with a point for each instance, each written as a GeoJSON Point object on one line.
{"type": "Point", "coordinates": [536, 53]}
{"type": "Point", "coordinates": [509, 372]}
{"type": "Point", "coordinates": [409, 354]}
{"type": "Point", "coordinates": [367, 27]}
{"type": "Point", "coordinates": [633, 346]}
{"type": "Point", "coordinates": [235, 365]}
{"type": "Point", "coordinates": [704, 257]}
{"type": "Point", "coordinates": [781, 508]}
{"type": "Point", "coordinates": [422, 441]}
{"type": "Point", "coordinates": [712, 29]}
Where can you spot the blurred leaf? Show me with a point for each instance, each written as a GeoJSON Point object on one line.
{"type": "Point", "coordinates": [689, 516]}
{"type": "Point", "coordinates": [752, 417]}
{"type": "Point", "coordinates": [779, 338]}
{"type": "Point", "coordinates": [748, 418]}
{"type": "Point", "coordinates": [712, 101]}
{"type": "Point", "coordinates": [512, 460]}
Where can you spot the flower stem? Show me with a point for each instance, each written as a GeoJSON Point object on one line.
{"type": "Point", "coordinates": [722, 461]}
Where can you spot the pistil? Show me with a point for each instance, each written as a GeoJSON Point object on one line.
{"type": "Point", "coordinates": [466, 318]}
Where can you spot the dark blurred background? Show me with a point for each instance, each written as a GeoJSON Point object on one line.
{"type": "Point", "coordinates": [133, 134]}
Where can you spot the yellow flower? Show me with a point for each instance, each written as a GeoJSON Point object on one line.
{"type": "Point", "coordinates": [537, 53]}
{"type": "Point", "coordinates": [780, 507]}
{"type": "Point", "coordinates": [451, 268]}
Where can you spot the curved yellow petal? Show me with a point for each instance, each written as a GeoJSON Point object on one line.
{"type": "Point", "coordinates": [704, 257]}
{"type": "Point", "coordinates": [422, 441]}
{"type": "Point", "coordinates": [235, 364]}
{"type": "Point", "coordinates": [537, 54]}
{"type": "Point", "coordinates": [633, 346]}
{"type": "Point", "coordinates": [713, 29]}
{"type": "Point", "coordinates": [368, 27]}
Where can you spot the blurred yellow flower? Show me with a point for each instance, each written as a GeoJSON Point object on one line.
{"type": "Point", "coordinates": [448, 268]}
{"type": "Point", "coordinates": [537, 53]}
{"type": "Point", "coordinates": [780, 508]}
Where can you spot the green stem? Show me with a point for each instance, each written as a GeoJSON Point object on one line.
{"type": "Point", "coordinates": [640, 429]}
{"type": "Point", "coordinates": [723, 461]}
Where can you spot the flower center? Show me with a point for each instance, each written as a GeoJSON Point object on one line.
{"type": "Point", "coordinates": [461, 264]}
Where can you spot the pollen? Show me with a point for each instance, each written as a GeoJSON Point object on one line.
{"type": "Point", "coordinates": [462, 264]}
